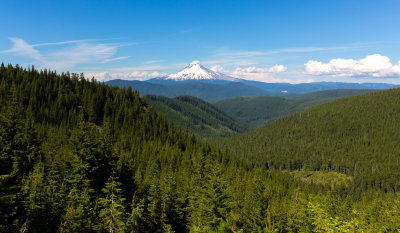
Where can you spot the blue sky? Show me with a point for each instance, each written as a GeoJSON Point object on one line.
{"type": "Point", "coordinates": [271, 41]}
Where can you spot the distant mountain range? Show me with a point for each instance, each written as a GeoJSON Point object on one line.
{"type": "Point", "coordinates": [207, 91]}
{"type": "Point", "coordinates": [196, 80]}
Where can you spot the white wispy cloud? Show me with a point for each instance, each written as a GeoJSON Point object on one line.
{"type": "Point", "coordinates": [115, 59]}
{"type": "Point", "coordinates": [148, 68]}
{"type": "Point", "coordinates": [263, 74]}
{"type": "Point", "coordinates": [315, 49]}
{"type": "Point", "coordinates": [134, 75]}
{"type": "Point", "coordinates": [372, 66]}
{"type": "Point", "coordinates": [269, 70]}
{"type": "Point", "coordinates": [23, 49]}
{"type": "Point", "coordinates": [152, 61]}
{"type": "Point", "coordinates": [62, 58]}
{"type": "Point", "coordinates": [61, 42]}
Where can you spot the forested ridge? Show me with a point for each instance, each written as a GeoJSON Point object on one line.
{"type": "Point", "coordinates": [81, 156]}
{"type": "Point", "coordinates": [196, 116]}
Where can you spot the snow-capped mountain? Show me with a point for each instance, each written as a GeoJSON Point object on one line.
{"type": "Point", "coordinates": [195, 71]}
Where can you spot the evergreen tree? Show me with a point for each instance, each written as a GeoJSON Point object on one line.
{"type": "Point", "coordinates": [112, 212]}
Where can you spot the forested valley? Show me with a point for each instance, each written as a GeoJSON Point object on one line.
{"type": "Point", "coordinates": [259, 111]}
{"type": "Point", "coordinates": [81, 156]}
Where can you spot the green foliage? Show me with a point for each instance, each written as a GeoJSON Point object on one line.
{"type": "Point", "coordinates": [81, 156]}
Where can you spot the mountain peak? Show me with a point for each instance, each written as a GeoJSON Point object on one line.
{"type": "Point", "coordinates": [196, 62]}
{"type": "Point", "coordinates": [195, 71]}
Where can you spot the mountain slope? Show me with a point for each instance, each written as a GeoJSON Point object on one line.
{"type": "Point", "coordinates": [198, 116]}
{"type": "Point", "coordinates": [258, 111]}
{"type": "Point", "coordinates": [356, 135]}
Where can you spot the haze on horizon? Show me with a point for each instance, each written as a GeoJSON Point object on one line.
{"type": "Point", "coordinates": [269, 41]}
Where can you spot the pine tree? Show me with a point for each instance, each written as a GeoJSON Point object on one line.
{"type": "Point", "coordinates": [35, 200]}
{"type": "Point", "coordinates": [79, 211]}
{"type": "Point", "coordinates": [112, 212]}
{"type": "Point", "coordinates": [212, 200]}
{"type": "Point", "coordinates": [136, 220]}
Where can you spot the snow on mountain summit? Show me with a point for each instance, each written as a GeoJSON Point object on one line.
{"type": "Point", "coordinates": [195, 71]}
{"type": "Point", "coordinates": [194, 63]}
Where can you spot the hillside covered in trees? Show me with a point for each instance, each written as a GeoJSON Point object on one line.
{"type": "Point", "coordinates": [258, 111]}
{"type": "Point", "coordinates": [196, 116]}
{"type": "Point", "coordinates": [81, 156]}
{"type": "Point", "coordinates": [356, 136]}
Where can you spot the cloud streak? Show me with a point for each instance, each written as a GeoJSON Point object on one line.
{"type": "Point", "coordinates": [152, 61]}
{"type": "Point", "coordinates": [67, 55]}
{"type": "Point", "coordinates": [61, 43]}
{"type": "Point", "coordinates": [115, 59]}
{"type": "Point", "coordinates": [314, 49]}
